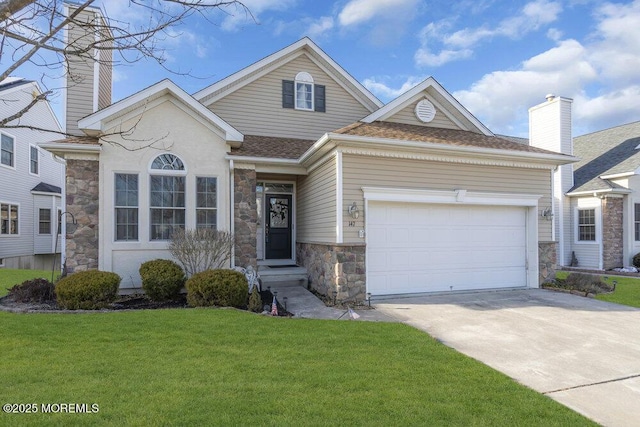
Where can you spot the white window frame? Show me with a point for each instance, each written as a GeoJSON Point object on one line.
{"type": "Point", "coordinates": [214, 209]}
{"type": "Point", "coordinates": [37, 160]}
{"type": "Point", "coordinates": [40, 221]}
{"type": "Point", "coordinates": [116, 207]}
{"type": "Point", "coordinates": [13, 141]}
{"type": "Point", "coordinates": [163, 173]}
{"type": "Point", "coordinates": [596, 228]}
{"type": "Point", "coordinates": [305, 80]}
{"type": "Point", "coordinates": [17, 206]}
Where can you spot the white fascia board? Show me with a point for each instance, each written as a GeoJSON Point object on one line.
{"type": "Point", "coordinates": [62, 149]}
{"type": "Point", "coordinates": [270, 165]}
{"type": "Point", "coordinates": [559, 159]}
{"type": "Point", "coordinates": [400, 102]}
{"type": "Point", "coordinates": [595, 193]}
{"type": "Point", "coordinates": [619, 175]}
{"type": "Point", "coordinates": [458, 196]}
{"type": "Point", "coordinates": [95, 121]}
{"type": "Point", "coordinates": [275, 57]}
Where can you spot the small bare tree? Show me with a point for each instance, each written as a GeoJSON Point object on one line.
{"type": "Point", "coordinates": [201, 249]}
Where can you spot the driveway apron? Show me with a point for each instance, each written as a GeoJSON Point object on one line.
{"type": "Point", "coordinates": [582, 352]}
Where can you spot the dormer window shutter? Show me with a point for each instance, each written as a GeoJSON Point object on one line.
{"type": "Point", "coordinates": [287, 94]}
{"type": "Point", "coordinates": [319, 98]}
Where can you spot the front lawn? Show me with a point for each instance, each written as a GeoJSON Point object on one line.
{"type": "Point", "coordinates": [226, 367]}
{"type": "Point", "coordinates": [10, 277]}
{"type": "Point", "coordinates": [627, 289]}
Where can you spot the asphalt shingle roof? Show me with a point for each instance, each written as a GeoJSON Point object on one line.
{"type": "Point", "coordinates": [607, 152]}
{"type": "Point", "coordinates": [272, 147]}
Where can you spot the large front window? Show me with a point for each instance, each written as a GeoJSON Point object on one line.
{"type": "Point", "coordinates": [8, 219]}
{"type": "Point", "coordinates": [167, 200]}
{"type": "Point", "coordinates": [126, 206]}
{"type": "Point", "coordinates": [206, 203]}
{"type": "Point", "coordinates": [587, 225]}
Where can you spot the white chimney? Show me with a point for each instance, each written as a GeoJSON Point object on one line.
{"type": "Point", "coordinates": [89, 75]}
{"type": "Point", "coordinates": [550, 128]}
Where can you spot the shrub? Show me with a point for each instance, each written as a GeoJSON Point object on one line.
{"type": "Point", "coordinates": [34, 290]}
{"type": "Point", "coordinates": [636, 260]}
{"type": "Point", "coordinates": [222, 288]}
{"type": "Point", "coordinates": [162, 279]}
{"type": "Point", "coordinates": [255, 301]}
{"type": "Point", "coordinates": [587, 283]}
{"type": "Point", "coordinates": [201, 249]}
{"type": "Point", "coordinates": [87, 290]}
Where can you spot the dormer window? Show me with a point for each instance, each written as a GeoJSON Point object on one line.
{"type": "Point", "coordinates": [303, 94]}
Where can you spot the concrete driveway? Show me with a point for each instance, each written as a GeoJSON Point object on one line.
{"type": "Point", "coordinates": [581, 352]}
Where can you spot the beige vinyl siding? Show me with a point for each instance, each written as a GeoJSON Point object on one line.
{"type": "Point", "coordinates": [408, 116]}
{"type": "Point", "coordinates": [316, 204]}
{"type": "Point", "coordinates": [79, 77]}
{"type": "Point", "coordinates": [256, 109]}
{"type": "Point", "coordinates": [105, 75]}
{"type": "Point", "coordinates": [359, 171]}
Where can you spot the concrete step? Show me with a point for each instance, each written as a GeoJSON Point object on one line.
{"type": "Point", "coordinates": [283, 276]}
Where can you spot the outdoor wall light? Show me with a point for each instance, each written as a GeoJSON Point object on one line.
{"type": "Point", "coordinates": [354, 211]}
{"type": "Point", "coordinates": [547, 214]}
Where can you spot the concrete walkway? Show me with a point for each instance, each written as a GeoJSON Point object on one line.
{"type": "Point", "coordinates": [579, 351]}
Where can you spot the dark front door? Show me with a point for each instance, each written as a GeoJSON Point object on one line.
{"type": "Point", "coordinates": [278, 227]}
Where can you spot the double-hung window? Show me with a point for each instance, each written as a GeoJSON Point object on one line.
{"type": "Point", "coordinates": [586, 225]}
{"type": "Point", "coordinates": [8, 218]}
{"type": "Point", "coordinates": [126, 188]}
{"type": "Point", "coordinates": [7, 150]}
{"type": "Point", "coordinates": [636, 221]}
{"type": "Point", "coordinates": [34, 160]}
{"type": "Point", "coordinates": [206, 202]}
{"type": "Point", "coordinates": [304, 91]}
{"type": "Point", "coordinates": [44, 224]}
{"type": "Point", "coordinates": [167, 198]}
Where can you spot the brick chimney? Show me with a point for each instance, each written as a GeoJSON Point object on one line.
{"type": "Point", "coordinates": [550, 128]}
{"type": "Point", "coordinates": [88, 76]}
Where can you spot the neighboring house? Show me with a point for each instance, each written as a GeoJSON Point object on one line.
{"type": "Point", "coordinates": [604, 199]}
{"type": "Point", "coordinates": [31, 182]}
{"type": "Point", "coordinates": [307, 167]}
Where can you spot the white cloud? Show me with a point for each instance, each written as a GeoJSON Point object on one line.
{"type": "Point", "coordinates": [320, 27]}
{"type": "Point", "coordinates": [457, 45]}
{"type": "Point", "coordinates": [380, 87]}
{"type": "Point", "coordinates": [359, 11]}
{"type": "Point", "coordinates": [239, 16]}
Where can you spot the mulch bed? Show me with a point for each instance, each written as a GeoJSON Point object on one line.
{"type": "Point", "coordinates": [124, 302]}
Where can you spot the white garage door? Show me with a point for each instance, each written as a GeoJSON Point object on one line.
{"type": "Point", "coordinates": [420, 247]}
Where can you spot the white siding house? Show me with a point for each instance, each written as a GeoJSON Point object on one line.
{"type": "Point", "coordinates": [31, 181]}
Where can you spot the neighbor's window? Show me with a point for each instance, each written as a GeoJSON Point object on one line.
{"type": "Point", "coordinates": [34, 159]}
{"type": "Point", "coordinates": [7, 150]}
{"type": "Point", "coordinates": [8, 219]}
{"type": "Point", "coordinates": [44, 224]}
{"type": "Point", "coordinates": [636, 221]}
{"type": "Point", "coordinates": [126, 187]}
{"type": "Point", "coordinates": [304, 91]}
{"type": "Point", "coordinates": [206, 202]}
{"type": "Point", "coordinates": [167, 196]}
{"type": "Point", "coordinates": [587, 225]}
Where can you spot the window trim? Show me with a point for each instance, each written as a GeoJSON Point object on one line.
{"type": "Point", "coordinates": [596, 217]}
{"type": "Point", "coordinates": [181, 173]}
{"type": "Point", "coordinates": [13, 154]}
{"type": "Point", "coordinates": [17, 206]}
{"type": "Point", "coordinates": [37, 162]}
{"type": "Point", "coordinates": [41, 221]}
{"type": "Point", "coordinates": [116, 207]}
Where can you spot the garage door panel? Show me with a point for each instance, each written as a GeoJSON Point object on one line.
{"type": "Point", "coordinates": [413, 247]}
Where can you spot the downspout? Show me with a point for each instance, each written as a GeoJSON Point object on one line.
{"type": "Point", "coordinates": [232, 210]}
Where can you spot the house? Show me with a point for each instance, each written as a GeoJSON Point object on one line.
{"type": "Point", "coordinates": [308, 168]}
{"type": "Point", "coordinates": [31, 181]}
{"type": "Point", "coordinates": [602, 213]}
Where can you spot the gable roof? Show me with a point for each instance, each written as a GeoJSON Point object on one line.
{"type": "Point", "coordinates": [43, 187]}
{"type": "Point", "coordinates": [604, 155]}
{"type": "Point", "coordinates": [93, 123]}
{"type": "Point", "coordinates": [304, 46]}
{"type": "Point", "coordinates": [471, 123]}
{"type": "Point", "coordinates": [272, 147]}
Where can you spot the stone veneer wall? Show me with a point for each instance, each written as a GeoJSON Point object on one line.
{"type": "Point", "coordinates": [82, 185]}
{"type": "Point", "coordinates": [332, 267]}
{"type": "Point", "coordinates": [612, 245]}
{"type": "Point", "coordinates": [547, 258]}
{"type": "Point", "coordinates": [245, 217]}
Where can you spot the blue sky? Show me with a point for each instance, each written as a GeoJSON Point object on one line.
{"type": "Point", "coordinates": [498, 58]}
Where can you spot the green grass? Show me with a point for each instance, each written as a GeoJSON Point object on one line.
{"type": "Point", "coordinates": [10, 277]}
{"type": "Point", "coordinates": [226, 367]}
{"type": "Point", "coordinates": [627, 290]}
